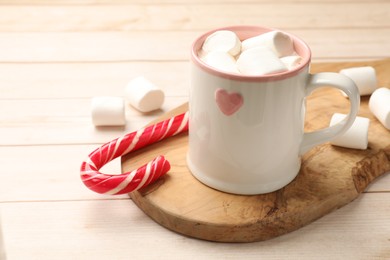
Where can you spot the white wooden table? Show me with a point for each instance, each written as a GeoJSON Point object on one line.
{"type": "Point", "coordinates": [56, 55]}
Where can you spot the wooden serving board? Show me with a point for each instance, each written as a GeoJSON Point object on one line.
{"type": "Point", "coordinates": [330, 177]}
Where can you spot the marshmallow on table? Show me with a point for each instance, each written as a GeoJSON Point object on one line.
{"type": "Point", "coordinates": [278, 42]}
{"type": "Point", "coordinates": [291, 61]}
{"type": "Point", "coordinates": [259, 61]}
{"type": "Point", "coordinates": [220, 60]}
{"type": "Point", "coordinates": [224, 41]}
{"type": "Point", "coordinates": [355, 137]}
{"type": "Point", "coordinates": [379, 105]}
{"type": "Point", "coordinates": [363, 77]}
{"type": "Point", "coordinates": [108, 111]}
{"type": "Point", "coordinates": [144, 95]}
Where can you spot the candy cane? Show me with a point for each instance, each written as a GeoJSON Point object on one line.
{"type": "Point", "coordinates": [138, 178]}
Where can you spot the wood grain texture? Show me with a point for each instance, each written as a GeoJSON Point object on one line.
{"type": "Point", "coordinates": [107, 229]}
{"type": "Point", "coordinates": [85, 80]}
{"type": "Point", "coordinates": [53, 180]}
{"type": "Point", "coordinates": [138, 46]}
{"type": "Point", "coordinates": [163, 2]}
{"type": "Point", "coordinates": [59, 121]}
{"type": "Point", "coordinates": [330, 177]}
{"type": "Point", "coordinates": [176, 16]}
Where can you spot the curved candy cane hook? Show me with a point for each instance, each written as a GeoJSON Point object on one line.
{"type": "Point", "coordinates": [138, 178]}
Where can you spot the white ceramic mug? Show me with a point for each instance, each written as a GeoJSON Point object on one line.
{"type": "Point", "coordinates": [246, 133]}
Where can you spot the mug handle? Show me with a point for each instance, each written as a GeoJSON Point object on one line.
{"type": "Point", "coordinates": [343, 83]}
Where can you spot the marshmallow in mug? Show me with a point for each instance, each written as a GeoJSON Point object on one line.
{"type": "Point", "coordinates": [267, 53]}
{"type": "Point", "coordinates": [108, 111]}
{"type": "Point", "coordinates": [221, 60]}
{"type": "Point", "coordinates": [144, 95]}
{"type": "Point", "coordinates": [356, 137]}
{"type": "Point", "coordinates": [259, 60]}
{"type": "Point", "coordinates": [224, 41]}
{"type": "Point", "coordinates": [363, 77]}
{"type": "Point", "coordinates": [280, 43]}
{"type": "Point", "coordinates": [291, 61]}
{"type": "Point", "coordinates": [379, 105]}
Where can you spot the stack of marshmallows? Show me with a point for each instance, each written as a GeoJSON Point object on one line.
{"type": "Point", "coordinates": [267, 53]}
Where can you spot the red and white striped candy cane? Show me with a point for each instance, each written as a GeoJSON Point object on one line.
{"type": "Point", "coordinates": [138, 178]}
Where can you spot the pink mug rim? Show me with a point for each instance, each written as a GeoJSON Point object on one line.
{"type": "Point", "coordinates": [300, 47]}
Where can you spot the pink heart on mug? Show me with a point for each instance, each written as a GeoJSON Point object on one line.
{"type": "Point", "coordinates": [228, 103]}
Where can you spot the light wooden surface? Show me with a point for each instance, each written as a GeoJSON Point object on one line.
{"type": "Point", "coordinates": [56, 54]}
